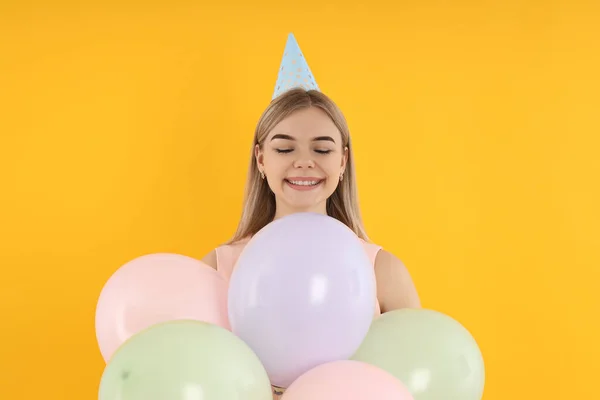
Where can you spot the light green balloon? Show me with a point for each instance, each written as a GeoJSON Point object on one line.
{"type": "Point", "coordinates": [431, 353]}
{"type": "Point", "coordinates": [185, 360]}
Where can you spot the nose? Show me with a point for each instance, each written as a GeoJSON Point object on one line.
{"type": "Point", "coordinates": [304, 161]}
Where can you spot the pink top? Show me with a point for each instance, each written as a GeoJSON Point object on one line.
{"type": "Point", "coordinates": [227, 256]}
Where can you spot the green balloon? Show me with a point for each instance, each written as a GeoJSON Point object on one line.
{"type": "Point", "coordinates": [185, 360]}
{"type": "Point", "coordinates": [431, 353]}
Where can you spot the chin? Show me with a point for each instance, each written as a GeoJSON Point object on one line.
{"type": "Point", "coordinates": [304, 200]}
{"type": "Point", "coordinates": [304, 205]}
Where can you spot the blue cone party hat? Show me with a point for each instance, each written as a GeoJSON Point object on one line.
{"type": "Point", "coordinates": [294, 71]}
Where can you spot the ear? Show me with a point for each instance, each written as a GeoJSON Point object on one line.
{"type": "Point", "coordinates": [344, 159]}
{"type": "Point", "coordinates": [258, 154]}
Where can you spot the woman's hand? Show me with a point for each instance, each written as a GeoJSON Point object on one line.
{"type": "Point", "coordinates": [277, 392]}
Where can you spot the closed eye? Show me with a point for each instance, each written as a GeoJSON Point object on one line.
{"type": "Point", "coordinates": [284, 151]}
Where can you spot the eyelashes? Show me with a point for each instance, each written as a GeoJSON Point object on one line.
{"type": "Point", "coordinates": [285, 151]}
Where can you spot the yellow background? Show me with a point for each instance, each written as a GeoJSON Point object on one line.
{"type": "Point", "coordinates": [126, 129]}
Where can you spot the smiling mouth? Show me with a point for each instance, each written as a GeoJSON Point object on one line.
{"type": "Point", "coordinates": [303, 184]}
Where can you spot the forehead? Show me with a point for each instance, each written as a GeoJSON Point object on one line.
{"type": "Point", "coordinates": [306, 124]}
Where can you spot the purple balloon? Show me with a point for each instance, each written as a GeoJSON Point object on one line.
{"type": "Point", "coordinates": [302, 293]}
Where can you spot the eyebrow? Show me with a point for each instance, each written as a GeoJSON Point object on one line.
{"type": "Point", "coordinates": [315, 139]}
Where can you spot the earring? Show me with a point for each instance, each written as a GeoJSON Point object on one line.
{"type": "Point", "coordinates": [262, 175]}
{"type": "Point", "coordinates": [341, 176]}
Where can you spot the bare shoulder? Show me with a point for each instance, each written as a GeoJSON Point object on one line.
{"type": "Point", "coordinates": [388, 261]}
{"type": "Point", "coordinates": [395, 287]}
{"type": "Point", "coordinates": [210, 259]}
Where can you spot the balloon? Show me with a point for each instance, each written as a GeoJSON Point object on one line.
{"type": "Point", "coordinates": [431, 353]}
{"type": "Point", "coordinates": [346, 380]}
{"type": "Point", "coordinates": [158, 288]}
{"type": "Point", "coordinates": [184, 360]}
{"type": "Point", "coordinates": [302, 294]}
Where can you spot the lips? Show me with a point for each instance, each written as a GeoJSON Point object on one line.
{"type": "Point", "coordinates": [303, 183]}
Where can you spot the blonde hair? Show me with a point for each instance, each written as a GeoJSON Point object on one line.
{"type": "Point", "coordinates": [259, 201]}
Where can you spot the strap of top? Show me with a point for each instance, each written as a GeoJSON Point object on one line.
{"type": "Point", "coordinates": [225, 260]}
{"type": "Point", "coordinates": [372, 250]}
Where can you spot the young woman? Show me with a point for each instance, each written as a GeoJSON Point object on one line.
{"type": "Point", "coordinates": [302, 162]}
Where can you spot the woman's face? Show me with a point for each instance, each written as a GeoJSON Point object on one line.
{"type": "Point", "coordinates": [302, 159]}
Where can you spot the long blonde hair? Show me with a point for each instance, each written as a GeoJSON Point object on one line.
{"type": "Point", "coordinates": [259, 201]}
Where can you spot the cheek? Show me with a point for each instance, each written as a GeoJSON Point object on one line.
{"type": "Point", "coordinates": [274, 167]}
{"type": "Point", "coordinates": [332, 168]}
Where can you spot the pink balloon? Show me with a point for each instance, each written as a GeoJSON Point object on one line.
{"type": "Point", "coordinates": [347, 380]}
{"type": "Point", "coordinates": [158, 288]}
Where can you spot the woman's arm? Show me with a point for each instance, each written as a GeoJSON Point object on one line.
{"type": "Point", "coordinates": [395, 288]}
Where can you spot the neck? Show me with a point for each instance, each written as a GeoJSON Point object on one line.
{"type": "Point", "coordinates": [283, 210]}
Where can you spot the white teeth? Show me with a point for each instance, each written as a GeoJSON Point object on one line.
{"type": "Point", "coordinates": [304, 183]}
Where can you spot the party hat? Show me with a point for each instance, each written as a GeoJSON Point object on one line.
{"type": "Point", "coordinates": [294, 71]}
